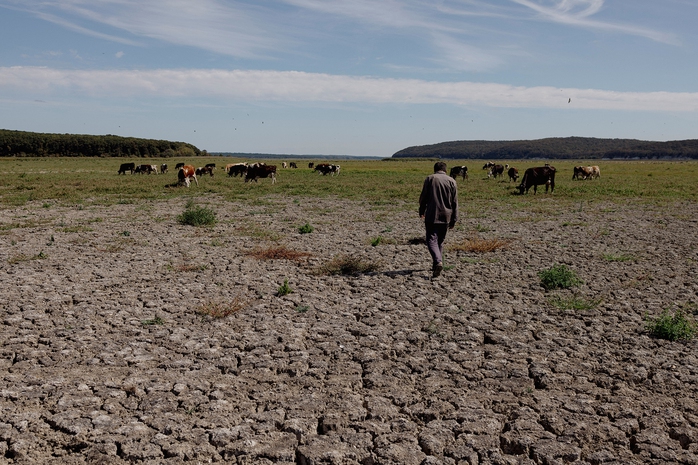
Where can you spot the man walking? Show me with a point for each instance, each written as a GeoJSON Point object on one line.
{"type": "Point", "coordinates": [438, 206]}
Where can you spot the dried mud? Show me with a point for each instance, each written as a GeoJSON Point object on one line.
{"type": "Point", "coordinates": [107, 359]}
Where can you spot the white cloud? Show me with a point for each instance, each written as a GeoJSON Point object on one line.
{"type": "Point", "coordinates": [119, 54]}
{"type": "Point", "coordinates": [301, 87]}
{"type": "Point", "coordinates": [578, 13]}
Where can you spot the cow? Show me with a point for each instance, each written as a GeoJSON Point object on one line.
{"type": "Point", "coordinates": [326, 168]}
{"type": "Point", "coordinates": [237, 168]}
{"type": "Point", "coordinates": [536, 177]}
{"type": "Point", "coordinates": [178, 166]}
{"type": "Point", "coordinates": [459, 171]}
{"type": "Point", "coordinates": [293, 164]}
{"type": "Point", "coordinates": [284, 165]}
{"type": "Point", "coordinates": [261, 170]}
{"type": "Point", "coordinates": [163, 168]}
{"type": "Point", "coordinates": [496, 170]}
{"type": "Point", "coordinates": [310, 165]}
{"type": "Point", "coordinates": [147, 169]}
{"type": "Point", "coordinates": [210, 165]}
{"type": "Point", "coordinates": [513, 174]}
{"type": "Point", "coordinates": [582, 172]}
{"type": "Point", "coordinates": [127, 167]}
{"type": "Point", "coordinates": [595, 171]}
{"type": "Point", "coordinates": [488, 165]}
{"type": "Point", "coordinates": [205, 170]}
{"type": "Point", "coordinates": [185, 173]}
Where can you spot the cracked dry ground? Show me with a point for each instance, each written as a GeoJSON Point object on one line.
{"type": "Point", "coordinates": [105, 359]}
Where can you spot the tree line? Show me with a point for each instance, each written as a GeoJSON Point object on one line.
{"type": "Point", "coordinates": [34, 144]}
{"type": "Point", "coordinates": [555, 148]}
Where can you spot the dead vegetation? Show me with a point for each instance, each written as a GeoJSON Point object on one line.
{"type": "Point", "coordinates": [222, 309]}
{"type": "Point", "coordinates": [278, 253]}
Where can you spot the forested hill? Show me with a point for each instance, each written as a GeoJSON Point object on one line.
{"type": "Point", "coordinates": [555, 148]}
{"type": "Point", "coordinates": [34, 144]}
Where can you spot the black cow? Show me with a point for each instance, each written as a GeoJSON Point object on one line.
{"type": "Point", "coordinates": [205, 170]}
{"type": "Point", "coordinates": [211, 165]}
{"type": "Point", "coordinates": [310, 165]}
{"type": "Point", "coordinates": [163, 168]}
{"type": "Point", "coordinates": [459, 171]}
{"type": "Point", "coordinates": [127, 167]}
{"type": "Point", "coordinates": [536, 177]}
{"type": "Point", "coordinates": [260, 170]}
{"type": "Point", "coordinates": [237, 168]}
{"type": "Point", "coordinates": [293, 164]}
{"type": "Point", "coordinates": [513, 174]}
{"type": "Point", "coordinates": [178, 166]}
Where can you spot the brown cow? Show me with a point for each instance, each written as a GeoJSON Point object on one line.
{"type": "Point", "coordinates": [513, 174]}
{"type": "Point", "coordinates": [185, 173]}
{"type": "Point", "coordinates": [582, 172]}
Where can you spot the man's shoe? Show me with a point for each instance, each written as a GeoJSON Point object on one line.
{"type": "Point", "coordinates": [436, 271]}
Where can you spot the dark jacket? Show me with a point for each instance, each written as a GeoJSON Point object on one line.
{"type": "Point", "coordinates": [439, 199]}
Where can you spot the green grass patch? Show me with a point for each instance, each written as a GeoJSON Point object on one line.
{"type": "Point", "coordinates": [306, 229]}
{"type": "Point", "coordinates": [678, 326]}
{"type": "Point", "coordinates": [195, 215]}
{"type": "Point", "coordinates": [558, 277]}
{"type": "Point", "coordinates": [154, 321]}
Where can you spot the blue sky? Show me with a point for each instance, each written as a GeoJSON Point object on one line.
{"type": "Point", "coordinates": [349, 77]}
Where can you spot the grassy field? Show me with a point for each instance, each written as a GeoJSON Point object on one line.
{"type": "Point", "coordinates": [393, 183]}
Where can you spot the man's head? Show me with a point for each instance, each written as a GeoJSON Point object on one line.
{"type": "Point", "coordinates": [439, 166]}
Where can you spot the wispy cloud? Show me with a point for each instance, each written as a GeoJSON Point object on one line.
{"type": "Point", "coordinates": [228, 28]}
{"type": "Point", "coordinates": [301, 88]}
{"type": "Point", "coordinates": [579, 12]}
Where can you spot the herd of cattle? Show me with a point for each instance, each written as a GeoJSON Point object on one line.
{"type": "Point", "coordinates": [533, 177]}
{"type": "Point", "coordinates": [251, 172]}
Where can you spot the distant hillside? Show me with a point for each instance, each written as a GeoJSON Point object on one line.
{"type": "Point", "coordinates": [35, 144]}
{"type": "Point", "coordinates": [555, 148]}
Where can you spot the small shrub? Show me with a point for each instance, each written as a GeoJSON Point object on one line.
{"type": "Point", "coordinates": [478, 245]}
{"type": "Point", "coordinates": [306, 229]}
{"type": "Point", "coordinates": [347, 265]}
{"type": "Point", "coordinates": [284, 289]}
{"type": "Point", "coordinates": [195, 215]}
{"type": "Point", "coordinates": [376, 241]}
{"type": "Point", "coordinates": [302, 308]}
{"type": "Point", "coordinates": [671, 327]}
{"type": "Point", "coordinates": [221, 309]}
{"type": "Point", "coordinates": [558, 277]}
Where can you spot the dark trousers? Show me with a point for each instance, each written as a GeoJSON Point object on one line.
{"type": "Point", "coordinates": [436, 233]}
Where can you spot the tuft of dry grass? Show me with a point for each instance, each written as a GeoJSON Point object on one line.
{"type": "Point", "coordinates": [479, 245]}
{"type": "Point", "coordinates": [347, 265]}
{"type": "Point", "coordinates": [277, 253]}
{"type": "Point", "coordinates": [221, 309]}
